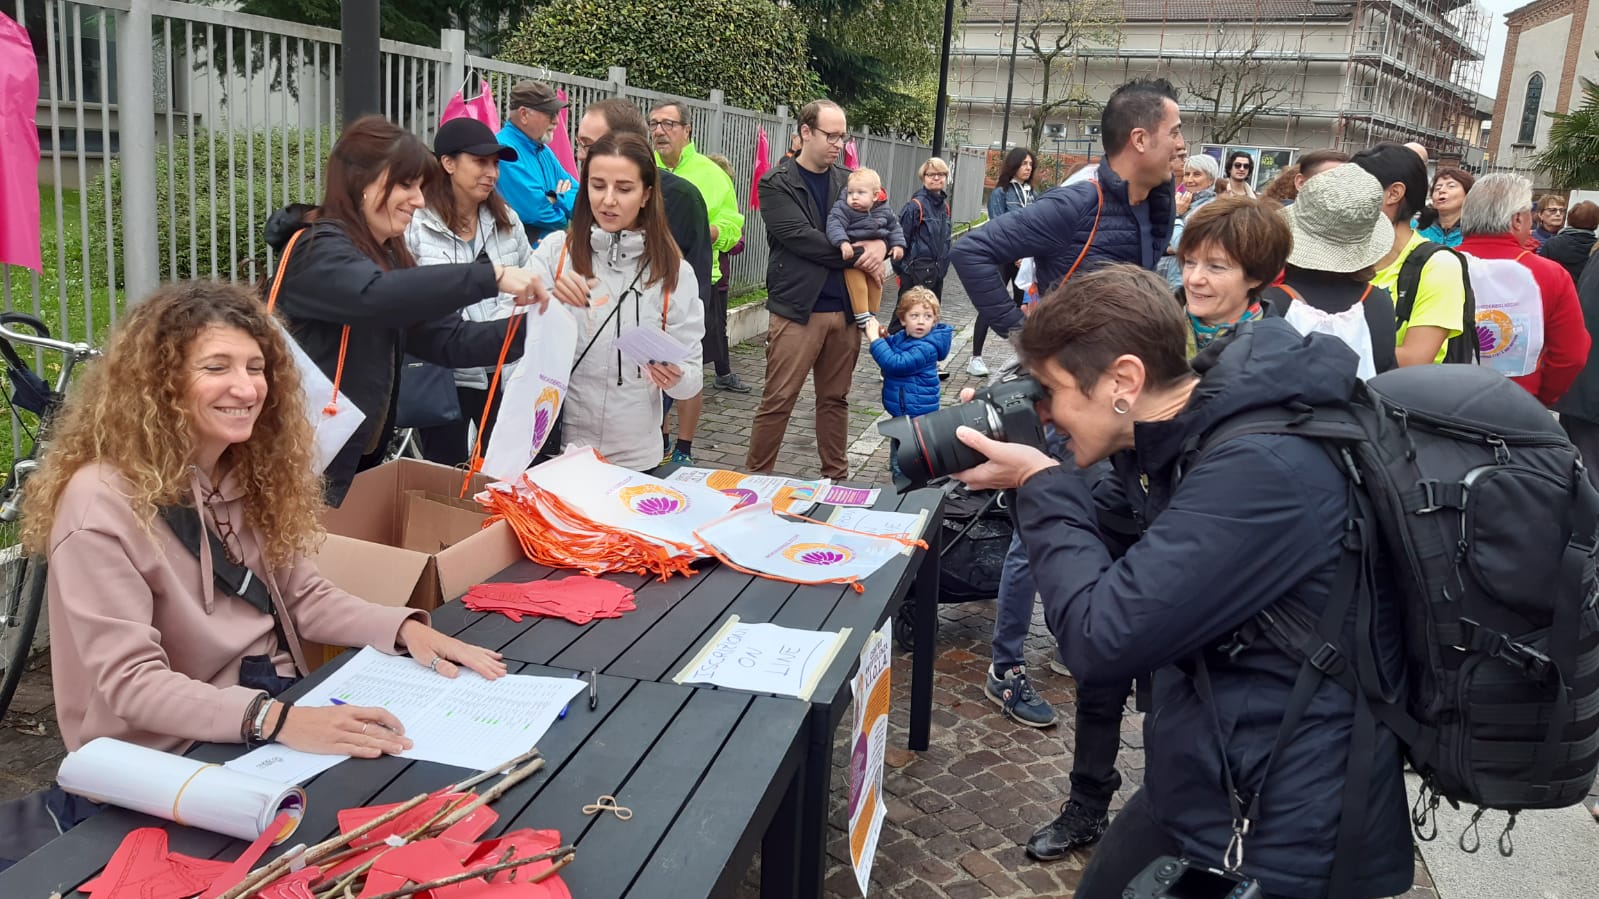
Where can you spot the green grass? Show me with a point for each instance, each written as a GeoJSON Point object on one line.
{"type": "Point", "coordinates": [747, 298]}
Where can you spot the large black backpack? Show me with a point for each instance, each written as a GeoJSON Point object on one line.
{"type": "Point", "coordinates": [1470, 493]}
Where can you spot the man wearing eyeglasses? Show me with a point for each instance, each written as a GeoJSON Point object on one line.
{"type": "Point", "coordinates": [812, 332]}
{"type": "Point", "coordinates": [673, 137]}
{"type": "Point", "coordinates": [541, 192]}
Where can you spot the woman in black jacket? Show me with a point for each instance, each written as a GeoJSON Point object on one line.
{"type": "Point", "coordinates": [1227, 530]}
{"type": "Point", "coordinates": [354, 299]}
{"type": "Point", "coordinates": [1574, 244]}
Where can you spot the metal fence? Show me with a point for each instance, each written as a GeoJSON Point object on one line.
{"type": "Point", "coordinates": [170, 131]}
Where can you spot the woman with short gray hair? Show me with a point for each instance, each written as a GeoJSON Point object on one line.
{"type": "Point", "coordinates": [1197, 188]}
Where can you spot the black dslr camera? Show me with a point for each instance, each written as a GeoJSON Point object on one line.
{"type": "Point", "coordinates": [925, 447]}
{"type": "Point", "coordinates": [1179, 878]}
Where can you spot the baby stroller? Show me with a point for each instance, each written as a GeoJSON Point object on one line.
{"type": "Point", "coordinates": [976, 536]}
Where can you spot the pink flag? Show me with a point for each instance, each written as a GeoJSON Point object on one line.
{"type": "Point", "coordinates": [762, 150]}
{"type": "Point", "coordinates": [852, 157]}
{"type": "Point", "coordinates": [560, 142]}
{"type": "Point", "coordinates": [19, 147]}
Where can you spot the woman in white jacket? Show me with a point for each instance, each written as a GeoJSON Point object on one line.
{"type": "Point", "coordinates": [619, 238]}
{"type": "Point", "coordinates": [465, 217]}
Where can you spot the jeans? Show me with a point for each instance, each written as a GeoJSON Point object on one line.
{"type": "Point", "coordinates": [1134, 840]}
{"type": "Point", "coordinates": [1099, 736]}
{"type": "Point", "coordinates": [1014, 614]}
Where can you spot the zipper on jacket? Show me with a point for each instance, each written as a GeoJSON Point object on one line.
{"type": "Point", "coordinates": [1427, 422]}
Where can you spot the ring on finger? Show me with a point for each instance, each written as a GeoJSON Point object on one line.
{"type": "Point", "coordinates": [364, 727]}
{"type": "Point", "coordinates": [434, 665]}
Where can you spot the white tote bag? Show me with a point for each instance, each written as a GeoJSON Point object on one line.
{"type": "Point", "coordinates": [1509, 322]}
{"type": "Point", "coordinates": [1349, 326]}
{"type": "Point", "coordinates": [533, 393]}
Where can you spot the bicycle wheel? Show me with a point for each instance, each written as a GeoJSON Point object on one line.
{"type": "Point", "coordinates": [23, 601]}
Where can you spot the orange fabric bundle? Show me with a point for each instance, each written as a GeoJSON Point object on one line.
{"type": "Point", "coordinates": [555, 534]}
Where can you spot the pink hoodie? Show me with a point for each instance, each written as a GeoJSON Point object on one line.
{"type": "Point", "coordinates": [141, 647]}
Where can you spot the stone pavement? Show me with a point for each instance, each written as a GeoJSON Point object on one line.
{"type": "Point", "coordinates": [957, 813]}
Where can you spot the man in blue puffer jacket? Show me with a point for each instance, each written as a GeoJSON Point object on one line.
{"type": "Point", "coordinates": [1124, 213]}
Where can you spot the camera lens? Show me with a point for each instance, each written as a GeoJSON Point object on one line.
{"type": "Point", "coordinates": [925, 447]}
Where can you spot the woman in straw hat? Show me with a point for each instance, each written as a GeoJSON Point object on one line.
{"type": "Point", "coordinates": [1340, 233]}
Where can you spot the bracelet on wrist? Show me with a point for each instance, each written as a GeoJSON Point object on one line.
{"type": "Point", "coordinates": [260, 721]}
{"type": "Point", "coordinates": [278, 727]}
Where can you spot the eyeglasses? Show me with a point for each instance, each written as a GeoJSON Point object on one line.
{"type": "Point", "coordinates": [1241, 165]}
{"type": "Point", "coordinates": [231, 547]}
{"type": "Point", "coordinates": [1559, 209]}
{"type": "Point", "coordinates": [664, 124]}
{"type": "Point", "coordinates": [836, 139]}
{"type": "Point", "coordinates": [936, 175]}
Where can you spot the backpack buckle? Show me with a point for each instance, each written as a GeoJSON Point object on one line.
{"type": "Point", "coordinates": [1532, 664]}
{"type": "Point", "coordinates": [1327, 659]}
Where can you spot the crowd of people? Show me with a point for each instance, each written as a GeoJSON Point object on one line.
{"type": "Point", "coordinates": [179, 583]}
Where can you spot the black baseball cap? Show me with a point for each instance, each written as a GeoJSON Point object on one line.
{"type": "Point", "coordinates": [467, 135]}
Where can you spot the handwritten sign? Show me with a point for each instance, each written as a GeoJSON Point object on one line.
{"type": "Point", "coordinates": [763, 658]}
{"type": "Point", "coordinates": [869, 745]}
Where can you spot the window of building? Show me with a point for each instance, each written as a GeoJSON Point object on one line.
{"type": "Point", "coordinates": [1529, 109]}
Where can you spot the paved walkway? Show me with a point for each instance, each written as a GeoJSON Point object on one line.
{"type": "Point", "coordinates": [957, 813]}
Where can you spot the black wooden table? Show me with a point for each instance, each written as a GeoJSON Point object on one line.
{"type": "Point", "coordinates": [708, 774]}
{"type": "Point", "coordinates": [674, 620]}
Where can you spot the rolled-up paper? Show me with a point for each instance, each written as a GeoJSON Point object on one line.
{"type": "Point", "coordinates": [187, 791]}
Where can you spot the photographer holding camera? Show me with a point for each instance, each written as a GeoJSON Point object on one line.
{"type": "Point", "coordinates": [1254, 519]}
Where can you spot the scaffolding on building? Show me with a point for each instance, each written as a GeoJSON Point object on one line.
{"type": "Point", "coordinates": [1409, 70]}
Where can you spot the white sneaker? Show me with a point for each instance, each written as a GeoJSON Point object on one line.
{"type": "Point", "coordinates": [977, 367]}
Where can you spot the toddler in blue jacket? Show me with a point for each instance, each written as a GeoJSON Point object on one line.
{"type": "Point", "coordinates": [909, 359]}
{"type": "Point", "coordinates": [862, 213]}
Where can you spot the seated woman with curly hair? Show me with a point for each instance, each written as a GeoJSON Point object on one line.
{"type": "Point", "coordinates": [181, 462]}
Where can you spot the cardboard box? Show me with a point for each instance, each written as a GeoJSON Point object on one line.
{"type": "Point", "coordinates": [404, 538]}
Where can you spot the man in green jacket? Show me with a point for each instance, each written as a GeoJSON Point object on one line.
{"type": "Point", "coordinates": [673, 135]}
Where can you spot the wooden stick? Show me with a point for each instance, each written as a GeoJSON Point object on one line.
{"type": "Point", "coordinates": [267, 873]}
{"type": "Point", "coordinates": [478, 778]}
{"type": "Point", "coordinates": [506, 783]}
{"type": "Point", "coordinates": [568, 851]}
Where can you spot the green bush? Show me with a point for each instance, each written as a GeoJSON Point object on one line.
{"type": "Point", "coordinates": [753, 50]}
{"type": "Point", "coordinates": [222, 204]}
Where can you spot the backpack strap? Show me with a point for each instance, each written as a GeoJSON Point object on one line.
{"type": "Point", "coordinates": [1461, 349]}
{"type": "Point", "coordinates": [344, 336]}
{"type": "Point", "coordinates": [1409, 280]}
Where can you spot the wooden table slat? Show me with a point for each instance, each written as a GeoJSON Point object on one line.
{"type": "Point", "coordinates": [655, 790]}
{"type": "Point", "coordinates": [699, 857]}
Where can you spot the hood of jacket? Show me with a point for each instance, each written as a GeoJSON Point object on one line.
{"type": "Point", "coordinates": [281, 225]}
{"type": "Point", "coordinates": [1261, 364]}
{"type": "Point", "coordinates": [1570, 247]}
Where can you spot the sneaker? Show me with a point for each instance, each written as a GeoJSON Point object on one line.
{"type": "Point", "coordinates": [731, 381]}
{"type": "Point", "coordinates": [1077, 825]}
{"type": "Point", "coordinates": [943, 374]}
{"type": "Point", "coordinates": [1059, 667]}
{"type": "Point", "coordinates": [678, 458]}
{"type": "Point", "coordinates": [1017, 699]}
{"type": "Point", "coordinates": [977, 367]}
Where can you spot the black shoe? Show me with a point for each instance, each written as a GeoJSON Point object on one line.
{"type": "Point", "coordinates": [731, 381]}
{"type": "Point", "coordinates": [1076, 826]}
{"type": "Point", "coordinates": [943, 375]}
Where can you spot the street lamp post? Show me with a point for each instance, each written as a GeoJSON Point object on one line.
{"type": "Point", "coordinates": [942, 109]}
{"type": "Point", "coordinates": [1010, 82]}
{"type": "Point", "coordinates": [359, 20]}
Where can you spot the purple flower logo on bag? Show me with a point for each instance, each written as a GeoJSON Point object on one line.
{"type": "Point", "coordinates": [653, 500]}
{"type": "Point", "coordinates": [744, 497]}
{"type": "Point", "coordinates": [1496, 332]}
{"type": "Point", "coordinates": [544, 411]}
{"type": "Point", "coordinates": [822, 555]}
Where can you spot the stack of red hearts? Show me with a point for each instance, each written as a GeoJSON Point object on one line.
{"type": "Point", "coordinates": [578, 598]}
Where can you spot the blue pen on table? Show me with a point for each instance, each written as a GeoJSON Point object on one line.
{"type": "Point", "coordinates": [576, 675]}
{"type": "Point", "coordinates": [334, 700]}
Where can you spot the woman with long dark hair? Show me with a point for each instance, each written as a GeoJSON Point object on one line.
{"type": "Point", "coordinates": [355, 299]}
{"type": "Point", "coordinates": [1013, 190]}
{"type": "Point", "coordinates": [465, 217]}
{"type": "Point", "coordinates": [620, 240]}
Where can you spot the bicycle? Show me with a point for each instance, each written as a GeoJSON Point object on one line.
{"type": "Point", "coordinates": [23, 390]}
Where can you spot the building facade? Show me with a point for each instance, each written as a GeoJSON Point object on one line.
{"type": "Point", "coordinates": [1312, 73]}
{"type": "Point", "coordinates": [1549, 48]}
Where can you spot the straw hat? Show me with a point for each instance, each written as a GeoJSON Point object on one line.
{"type": "Point", "coordinates": [1338, 222]}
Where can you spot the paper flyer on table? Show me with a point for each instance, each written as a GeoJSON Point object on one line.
{"type": "Point", "coordinates": [642, 346]}
{"type": "Point", "coordinates": [839, 495]}
{"type": "Point", "coordinates": [465, 721]}
{"type": "Point", "coordinates": [804, 553]}
{"type": "Point", "coordinates": [764, 658]}
{"type": "Point", "coordinates": [616, 497]}
{"type": "Point", "coordinates": [884, 524]}
{"type": "Point", "coordinates": [533, 393]}
{"type": "Point", "coordinates": [785, 494]}
{"type": "Point", "coordinates": [179, 789]}
{"type": "Point", "coordinates": [868, 748]}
